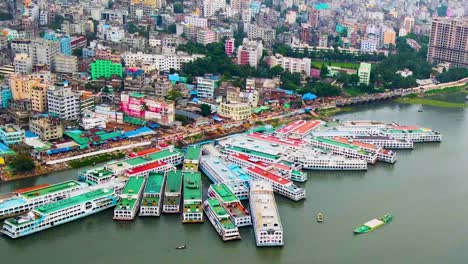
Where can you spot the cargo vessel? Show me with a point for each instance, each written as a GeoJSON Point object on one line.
{"type": "Point", "coordinates": [374, 224]}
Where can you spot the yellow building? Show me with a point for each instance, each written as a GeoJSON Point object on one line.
{"type": "Point", "coordinates": [150, 3]}
{"type": "Point", "coordinates": [39, 98]}
{"type": "Point", "coordinates": [235, 111]}
{"type": "Point", "coordinates": [21, 85]}
{"type": "Point", "coordinates": [389, 37]}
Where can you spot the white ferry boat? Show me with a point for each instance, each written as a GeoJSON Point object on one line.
{"type": "Point", "coordinates": [96, 175]}
{"type": "Point", "coordinates": [24, 200]}
{"type": "Point", "coordinates": [129, 202]}
{"type": "Point", "coordinates": [220, 219]}
{"type": "Point", "coordinates": [172, 192]}
{"type": "Point", "coordinates": [60, 212]}
{"type": "Point", "coordinates": [266, 220]}
{"type": "Point", "coordinates": [220, 172]}
{"type": "Point", "coordinates": [382, 154]}
{"type": "Point", "coordinates": [193, 208]}
{"type": "Point", "coordinates": [281, 185]}
{"type": "Point", "coordinates": [385, 142]}
{"type": "Point", "coordinates": [345, 149]}
{"type": "Point", "coordinates": [152, 195]}
{"type": "Point", "coordinates": [239, 215]}
{"type": "Point", "coordinates": [327, 161]}
{"type": "Point", "coordinates": [412, 133]}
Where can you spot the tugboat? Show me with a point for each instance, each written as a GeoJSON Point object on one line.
{"type": "Point", "coordinates": [374, 224]}
{"type": "Point", "coordinates": [320, 217]}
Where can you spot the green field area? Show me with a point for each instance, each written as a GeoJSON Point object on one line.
{"type": "Point", "coordinates": [431, 102]}
{"type": "Point", "coordinates": [463, 89]}
{"type": "Point", "coordinates": [348, 65]}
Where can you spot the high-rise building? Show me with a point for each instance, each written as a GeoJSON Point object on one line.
{"type": "Point", "coordinates": [63, 102]}
{"type": "Point", "coordinates": [39, 98]}
{"type": "Point", "coordinates": [388, 36]}
{"type": "Point", "coordinates": [210, 7]}
{"type": "Point", "coordinates": [47, 128]}
{"type": "Point", "coordinates": [206, 36]}
{"type": "Point", "coordinates": [229, 46]}
{"type": "Point", "coordinates": [63, 40]}
{"type": "Point", "coordinates": [291, 64]}
{"type": "Point", "coordinates": [66, 64]}
{"type": "Point", "coordinates": [22, 63]}
{"type": "Point", "coordinates": [249, 53]}
{"type": "Point", "coordinates": [313, 17]}
{"type": "Point", "coordinates": [448, 42]}
{"type": "Point", "coordinates": [206, 87]}
{"type": "Point", "coordinates": [408, 24]}
{"type": "Point", "coordinates": [364, 73]}
{"type": "Point", "coordinates": [106, 69]}
{"type": "Point", "coordinates": [43, 52]}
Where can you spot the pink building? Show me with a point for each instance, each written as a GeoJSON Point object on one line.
{"type": "Point", "coordinates": [146, 107]}
{"type": "Point", "coordinates": [106, 54]}
{"type": "Point", "coordinates": [229, 46]}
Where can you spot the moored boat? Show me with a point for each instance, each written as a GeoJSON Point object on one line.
{"type": "Point", "coordinates": [320, 217]}
{"type": "Point", "coordinates": [373, 224]}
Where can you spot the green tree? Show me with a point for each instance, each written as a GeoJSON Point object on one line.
{"type": "Point", "coordinates": [78, 52]}
{"type": "Point", "coordinates": [57, 23]}
{"type": "Point", "coordinates": [205, 110]}
{"type": "Point", "coordinates": [174, 95]}
{"type": "Point", "coordinates": [453, 74]}
{"type": "Point", "coordinates": [22, 163]}
{"type": "Point", "coordinates": [172, 28]}
{"type": "Point", "coordinates": [324, 71]}
{"type": "Point", "coordinates": [5, 16]}
{"type": "Point", "coordinates": [178, 8]}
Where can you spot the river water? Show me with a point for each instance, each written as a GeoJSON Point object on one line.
{"type": "Point", "coordinates": [426, 191]}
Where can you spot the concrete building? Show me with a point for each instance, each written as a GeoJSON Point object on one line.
{"type": "Point", "coordinates": [147, 107]}
{"type": "Point", "coordinates": [206, 87]}
{"type": "Point", "coordinates": [206, 36]}
{"type": "Point", "coordinates": [11, 134]}
{"type": "Point", "coordinates": [229, 46]}
{"type": "Point", "coordinates": [235, 111]}
{"type": "Point", "coordinates": [161, 62]}
{"type": "Point", "coordinates": [408, 24]}
{"type": "Point", "coordinates": [249, 53]}
{"type": "Point", "coordinates": [290, 17]}
{"type": "Point", "coordinates": [256, 32]}
{"type": "Point", "coordinates": [210, 7]}
{"type": "Point", "coordinates": [46, 127]}
{"type": "Point", "coordinates": [66, 64]}
{"type": "Point", "coordinates": [323, 40]}
{"type": "Point", "coordinates": [114, 34]}
{"type": "Point", "coordinates": [22, 63]}
{"type": "Point", "coordinates": [106, 69]}
{"type": "Point", "coordinates": [364, 73]}
{"type": "Point", "coordinates": [369, 45]}
{"type": "Point", "coordinates": [5, 96]}
{"type": "Point", "coordinates": [63, 102]}
{"type": "Point", "coordinates": [43, 52]}
{"type": "Point", "coordinates": [19, 45]}
{"type": "Point", "coordinates": [291, 64]}
{"type": "Point", "coordinates": [448, 42]}
{"type": "Point", "coordinates": [63, 40]}
{"type": "Point", "coordinates": [196, 21]}
{"type": "Point", "coordinates": [38, 96]}
{"type": "Point", "coordinates": [388, 36]}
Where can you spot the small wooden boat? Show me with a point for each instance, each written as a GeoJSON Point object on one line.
{"type": "Point", "coordinates": [320, 217]}
{"type": "Point", "coordinates": [181, 247]}
{"type": "Point", "coordinates": [420, 110]}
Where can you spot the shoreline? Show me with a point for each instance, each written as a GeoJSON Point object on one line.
{"type": "Point", "coordinates": [425, 98]}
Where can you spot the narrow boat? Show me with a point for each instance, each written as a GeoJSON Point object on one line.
{"type": "Point", "coordinates": [374, 224]}
{"type": "Point", "coordinates": [320, 217]}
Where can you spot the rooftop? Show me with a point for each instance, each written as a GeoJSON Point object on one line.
{"type": "Point", "coordinates": [51, 189]}
{"type": "Point", "coordinates": [273, 139]}
{"type": "Point", "coordinates": [226, 195]}
{"type": "Point", "coordinates": [173, 181]}
{"type": "Point", "coordinates": [307, 127]}
{"type": "Point", "coordinates": [192, 186]}
{"type": "Point", "coordinates": [263, 206]}
{"type": "Point", "coordinates": [66, 203]}
{"type": "Point", "coordinates": [221, 213]}
{"type": "Point", "coordinates": [99, 172]}
{"type": "Point", "coordinates": [193, 152]}
{"type": "Point", "coordinates": [143, 152]}
{"type": "Point", "coordinates": [275, 178]}
{"type": "Point", "coordinates": [133, 186]}
{"type": "Point", "coordinates": [335, 143]}
{"type": "Point", "coordinates": [290, 127]}
{"type": "Point", "coordinates": [146, 167]}
{"type": "Point", "coordinates": [154, 183]}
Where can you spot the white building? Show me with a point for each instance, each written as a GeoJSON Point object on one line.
{"type": "Point", "coordinates": [255, 31]}
{"type": "Point", "coordinates": [290, 17]}
{"type": "Point", "coordinates": [93, 122]}
{"type": "Point", "coordinates": [291, 64]}
{"type": "Point", "coordinates": [43, 52]}
{"type": "Point", "coordinates": [205, 87]}
{"type": "Point", "coordinates": [162, 62]}
{"type": "Point", "coordinates": [369, 45]}
{"type": "Point", "coordinates": [23, 63]}
{"type": "Point", "coordinates": [43, 17]}
{"type": "Point", "coordinates": [63, 102]}
{"type": "Point", "coordinates": [211, 6]}
{"type": "Point", "coordinates": [196, 21]}
{"type": "Point", "coordinates": [114, 34]}
{"type": "Point", "coordinates": [206, 36]}
{"type": "Point", "coordinates": [249, 53]}
{"type": "Point", "coordinates": [66, 64]}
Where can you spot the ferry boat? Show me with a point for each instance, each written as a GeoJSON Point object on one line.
{"type": "Point", "coordinates": [382, 154]}
{"type": "Point", "coordinates": [378, 140]}
{"type": "Point", "coordinates": [374, 224]}
{"type": "Point", "coordinates": [24, 200]}
{"type": "Point", "coordinates": [152, 195]}
{"type": "Point", "coordinates": [281, 185]}
{"type": "Point", "coordinates": [192, 158]}
{"type": "Point", "coordinates": [60, 212]}
{"type": "Point", "coordinates": [193, 208]}
{"type": "Point", "coordinates": [327, 161]}
{"type": "Point", "coordinates": [346, 149]}
{"type": "Point", "coordinates": [266, 220]}
{"type": "Point", "coordinates": [220, 220]}
{"type": "Point", "coordinates": [239, 215]}
{"type": "Point", "coordinates": [220, 172]}
{"type": "Point", "coordinates": [172, 192]}
{"type": "Point", "coordinates": [129, 202]}
{"type": "Point", "coordinates": [412, 133]}
{"type": "Point", "coordinates": [96, 175]}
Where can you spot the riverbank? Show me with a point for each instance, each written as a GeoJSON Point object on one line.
{"type": "Point", "coordinates": [430, 98]}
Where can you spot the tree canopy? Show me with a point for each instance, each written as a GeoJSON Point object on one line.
{"type": "Point", "coordinates": [205, 110]}
{"type": "Point", "coordinates": [453, 74]}
{"type": "Point", "coordinates": [22, 163]}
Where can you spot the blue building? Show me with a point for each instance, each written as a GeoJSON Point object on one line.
{"type": "Point", "coordinates": [5, 96]}
{"type": "Point", "coordinates": [64, 40]}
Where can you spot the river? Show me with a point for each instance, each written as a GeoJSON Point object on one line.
{"type": "Point", "coordinates": [426, 191]}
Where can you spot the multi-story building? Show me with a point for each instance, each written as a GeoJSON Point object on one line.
{"type": "Point", "coordinates": [46, 127]}
{"type": "Point", "coordinates": [43, 52]}
{"type": "Point", "coordinates": [114, 34]}
{"type": "Point", "coordinates": [66, 64]}
{"type": "Point", "coordinates": [235, 111]}
{"type": "Point", "coordinates": [291, 64]}
{"type": "Point", "coordinates": [196, 21]}
{"type": "Point", "coordinates": [229, 46]}
{"type": "Point", "coordinates": [206, 87]}
{"type": "Point", "coordinates": [106, 54]}
{"type": "Point", "coordinates": [210, 7]}
{"type": "Point", "coordinates": [63, 102]}
{"type": "Point", "coordinates": [388, 36]}
{"type": "Point", "coordinates": [21, 85]}
{"type": "Point", "coordinates": [19, 45]}
{"type": "Point", "coordinates": [161, 62]}
{"type": "Point", "coordinates": [5, 96]}
{"type": "Point", "coordinates": [255, 32]}
{"type": "Point", "coordinates": [369, 45]}
{"type": "Point", "coordinates": [106, 69]}
{"type": "Point", "coordinates": [11, 134]}
{"type": "Point", "coordinates": [249, 53]}
{"type": "Point", "coordinates": [290, 17]}
{"type": "Point", "coordinates": [63, 40]}
{"type": "Point", "coordinates": [448, 42]}
{"type": "Point", "coordinates": [147, 107]}
{"type": "Point", "coordinates": [323, 40]}
{"type": "Point", "coordinates": [22, 63]}
{"type": "Point", "coordinates": [206, 36]}
{"type": "Point", "coordinates": [364, 73]}
{"type": "Point", "coordinates": [162, 87]}
{"type": "Point", "coordinates": [38, 95]}
{"type": "Point", "coordinates": [408, 24]}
